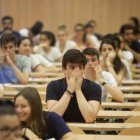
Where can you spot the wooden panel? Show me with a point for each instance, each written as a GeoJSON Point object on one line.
{"type": "Point", "coordinates": [109, 14]}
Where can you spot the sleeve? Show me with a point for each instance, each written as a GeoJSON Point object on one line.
{"type": "Point", "coordinates": [56, 126]}
{"type": "Point", "coordinates": [34, 61]}
{"type": "Point", "coordinates": [109, 79]}
{"type": "Point", "coordinates": [26, 65]}
{"type": "Point", "coordinates": [44, 62]}
{"type": "Point", "coordinates": [95, 92]}
{"type": "Point", "coordinates": [51, 92]}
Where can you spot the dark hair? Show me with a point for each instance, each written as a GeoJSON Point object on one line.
{"type": "Point", "coordinates": [135, 21]}
{"type": "Point", "coordinates": [7, 18]}
{"type": "Point", "coordinates": [22, 39]}
{"type": "Point", "coordinates": [126, 27]}
{"type": "Point", "coordinates": [50, 36]}
{"type": "Point", "coordinates": [36, 121]}
{"type": "Point", "coordinates": [73, 56]}
{"type": "Point", "coordinates": [91, 52]}
{"type": "Point", "coordinates": [36, 28]}
{"type": "Point", "coordinates": [115, 38]}
{"type": "Point", "coordinates": [88, 25]}
{"type": "Point", "coordinates": [8, 37]}
{"type": "Point", "coordinates": [118, 65]}
{"type": "Point", "coordinates": [7, 107]}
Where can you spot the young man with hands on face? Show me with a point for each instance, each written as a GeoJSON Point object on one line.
{"type": "Point", "coordinates": [74, 98]}
{"type": "Point", "coordinates": [94, 72]}
{"type": "Point", "coordinates": [13, 68]}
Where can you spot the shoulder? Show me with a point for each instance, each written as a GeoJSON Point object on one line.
{"type": "Point", "coordinates": [70, 43]}
{"type": "Point", "coordinates": [57, 83]}
{"type": "Point", "coordinates": [87, 83]}
{"type": "Point", "coordinates": [22, 58]}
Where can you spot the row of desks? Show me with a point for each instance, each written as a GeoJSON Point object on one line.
{"type": "Point", "coordinates": [106, 137]}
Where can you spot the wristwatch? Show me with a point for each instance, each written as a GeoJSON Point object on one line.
{"type": "Point", "coordinates": [103, 83]}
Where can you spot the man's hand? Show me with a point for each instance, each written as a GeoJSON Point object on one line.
{"type": "Point", "coordinates": [71, 80]}
{"type": "Point", "coordinates": [79, 80]}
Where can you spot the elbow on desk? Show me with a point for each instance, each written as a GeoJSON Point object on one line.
{"type": "Point", "coordinates": [90, 119]}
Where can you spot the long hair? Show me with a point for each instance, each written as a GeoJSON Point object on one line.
{"type": "Point", "coordinates": [36, 121]}
{"type": "Point", "coordinates": [118, 65]}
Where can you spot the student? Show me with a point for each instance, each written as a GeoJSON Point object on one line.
{"type": "Point", "coordinates": [127, 32]}
{"type": "Point", "coordinates": [9, 123]}
{"type": "Point", "coordinates": [43, 124]}
{"type": "Point", "coordinates": [74, 98]}
{"type": "Point", "coordinates": [13, 68]}
{"type": "Point", "coordinates": [111, 62]}
{"type": "Point", "coordinates": [38, 62]}
{"type": "Point", "coordinates": [63, 43]}
{"type": "Point", "coordinates": [46, 47]}
{"type": "Point", "coordinates": [94, 72]}
{"type": "Point", "coordinates": [7, 25]}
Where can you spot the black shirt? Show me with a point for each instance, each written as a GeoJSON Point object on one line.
{"type": "Point", "coordinates": [90, 90]}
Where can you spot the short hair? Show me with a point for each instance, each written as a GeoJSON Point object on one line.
{"type": "Point", "coordinates": [7, 18]}
{"type": "Point", "coordinates": [91, 52]}
{"type": "Point", "coordinates": [7, 108]}
{"type": "Point", "coordinates": [73, 56]}
{"type": "Point", "coordinates": [88, 25]}
{"type": "Point", "coordinates": [126, 27]}
{"type": "Point", "coordinates": [50, 36]}
{"type": "Point", "coordinates": [8, 37]}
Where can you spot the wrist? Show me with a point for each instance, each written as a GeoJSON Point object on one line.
{"type": "Point", "coordinates": [69, 93]}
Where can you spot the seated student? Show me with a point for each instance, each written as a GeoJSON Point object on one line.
{"type": "Point", "coordinates": [9, 123]}
{"type": "Point", "coordinates": [94, 72]}
{"type": "Point", "coordinates": [38, 62]}
{"type": "Point", "coordinates": [46, 47]}
{"type": "Point", "coordinates": [111, 62]}
{"type": "Point", "coordinates": [73, 97]}
{"type": "Point", "coordinates": [14, 68]}
{"type": "Point", "coordinates": [44, 124]}
{"type": "Point", "coordinates": [63, 43]}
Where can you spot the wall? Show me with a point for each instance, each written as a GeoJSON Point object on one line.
{"type": "Point", "coordinates": [109, 14]}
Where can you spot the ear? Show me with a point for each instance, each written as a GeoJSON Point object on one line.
{"type": "Point", "coordinates": [63, 70]}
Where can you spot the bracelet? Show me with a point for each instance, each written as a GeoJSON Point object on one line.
{"type": "Point", "coordinates": [69, 93]}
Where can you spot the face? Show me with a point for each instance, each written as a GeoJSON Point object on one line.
{"type": "Point", "coordinates": [25, 47]}
{"type": "Point", "coordinates": [72, 66]}
{"type": "Point", "coordinates": [9, 49]}
{"type": "Point", "coordinates": [128, 35]}
{"type": "Point", "coordinates": [79, 32]}
{"type": "Point", "coordinates": [62, 37]}
{"type": "Point", "coordinates": [92, 61]}
{"type": "Point", "coordinates": [106, 49]}
{"type": "Point", "coordinates": [44, 39]}
{"type": "Point", "coordinates": [23, 108]}
{"type": "Point", "coordinates": [10, 128]}
{"type": "Point", "coordinates": [7, 24]}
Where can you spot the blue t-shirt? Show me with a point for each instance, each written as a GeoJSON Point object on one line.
{"type": "Point", "coordinates": [56, 127]}
{"type": "Point", "coordinates": [7, 75]}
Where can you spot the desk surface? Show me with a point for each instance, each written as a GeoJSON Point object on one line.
{"type": "Point", "coordinates": [104, 126]}
{"type": "Point", "coordinates": [117, 114]}
{"type": "Point", "coordinates": [106, 137]}
{"type": "Point", "coordinates": [120, 105]}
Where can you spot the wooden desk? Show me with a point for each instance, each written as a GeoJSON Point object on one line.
{"type": "Point", "coordinates": [40, 87]}
{"type": "Point", "coordinates": [104, 126]}
{"type": "Point", "coordinates": [130, 88]}
{"type": "Point", "coordinates": [120, 105]}
{"type": "Point", "coordinates": [117, 114]}
{"type": "Point", "coordinates": [129, 96]}
{"type": "Point", "coordinates": [106, 137]}
{"type": "Point", "coordinates": [131, 82]}
{"type": "Point", "coordinates": [42, 80]}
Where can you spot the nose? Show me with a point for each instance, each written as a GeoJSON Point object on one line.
{"type": "Point", "coordinates": [18, 109]}
{"type": "Point", "coordinates": [90, 63]}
